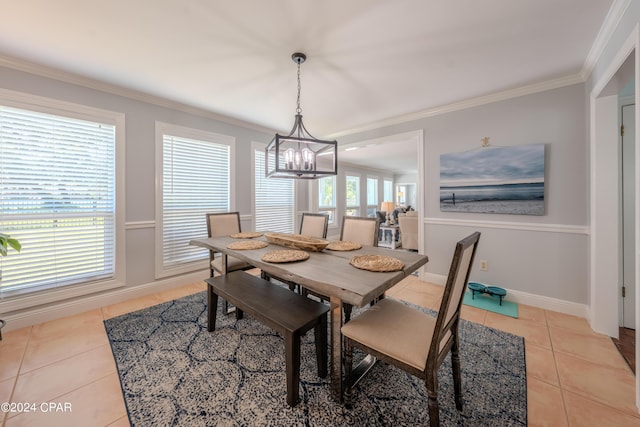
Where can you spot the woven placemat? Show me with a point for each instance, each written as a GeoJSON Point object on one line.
{"type": "Point", "coordinates": [285, 255]}
{"type": "Point", "coordinates": [342, 245]}
{"type": "Point", "coordinates": [247, 244]}
{"type": "Point", "coordinates": [378, 263]}
{"type": "Point", "coordinates": [246, 235]}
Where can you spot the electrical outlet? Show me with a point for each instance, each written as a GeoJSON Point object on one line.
{"type": "Point", "coordinates": [484, 265]}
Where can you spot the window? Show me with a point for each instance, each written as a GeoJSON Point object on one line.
{"type": "Point", "coordinates": [353, 195]}
{"type": "Point", "coordinates": [59, 196]}
{"type": "Point", "coordinates": [372, 196]}
{"type": "Point", "coordinates": [388, 190]}
{"type": "Point", "coordinates": [327, 197]}
{"type": "Point", "coordinates": [195, 177]}
{"type": "Point", "coordinates": [274, 200]}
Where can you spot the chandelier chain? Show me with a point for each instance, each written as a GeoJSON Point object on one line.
{"type": "Point", "coordinates": [298, 110]}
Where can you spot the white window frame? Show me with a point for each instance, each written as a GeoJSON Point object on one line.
{"type": "Point", "coordinates": [258, 146]}
{"type": "Point", "coordinates": [359, 205]}
{"type": "Point", "coordinates": [200, 135]}
{"type": "Point", "coordinates": [332, 209]}
{"type": "Point", "coordinates": [376, 205]}
{"type": "Point", "coordinates": [20, 299]}
{"type": "Point", "coordinates": [387, 197]}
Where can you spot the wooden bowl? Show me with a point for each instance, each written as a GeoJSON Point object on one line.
{"type": "Point", "coordinates": [297, 241]}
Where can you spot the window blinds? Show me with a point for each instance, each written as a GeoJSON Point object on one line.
{"type": "Point", "coordinates": [274, 200]}
{"type": "Point", "coordinates": [195, 181]}
{"type": "Point", "coordinates": [57, 196]}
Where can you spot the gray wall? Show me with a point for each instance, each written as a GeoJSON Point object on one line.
{"type": "Point", "coordinates": [541, 255]}
{"type": "Point", "coordinates": [540, 262]}
{"type": "Point", "coordinates": [140, 156]}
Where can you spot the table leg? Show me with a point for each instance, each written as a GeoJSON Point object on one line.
{"type": "Point", "coordinates": [336, 349]}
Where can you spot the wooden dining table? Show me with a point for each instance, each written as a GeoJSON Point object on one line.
{"type": "Point", "coordinates": [327, 273]}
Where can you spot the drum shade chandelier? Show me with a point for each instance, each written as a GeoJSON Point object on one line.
{"type": "Point", "coordinates": [299, 155]}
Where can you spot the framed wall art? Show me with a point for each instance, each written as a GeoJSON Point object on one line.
{"type": "Point", "coordinates": [499, 180]}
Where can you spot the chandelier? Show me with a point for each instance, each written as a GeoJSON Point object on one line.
{"type": "Point", "coordinates": [299, 155]}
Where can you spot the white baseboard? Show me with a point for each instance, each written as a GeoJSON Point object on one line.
{"type": "Point", "coordinates": [546, 303]}
{"type": "Point", "coordinates": [52, 311]}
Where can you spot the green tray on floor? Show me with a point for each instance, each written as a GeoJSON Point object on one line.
{"type": "Point", "coordinates": [491, 303]}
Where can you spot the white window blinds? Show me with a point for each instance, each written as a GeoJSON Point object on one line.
{"type": "Point", "coordinates": [57, 196]}
{"type": "Point", "coordinates": [195, 181]}
{"type": "Point", "coordinates": [274, 199]}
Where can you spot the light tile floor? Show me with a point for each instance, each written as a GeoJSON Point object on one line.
{"type": "Point", "coordinates": [575, 377]}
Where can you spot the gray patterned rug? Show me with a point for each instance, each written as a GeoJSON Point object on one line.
{"type": "Point", "coordinates": [175, 373]}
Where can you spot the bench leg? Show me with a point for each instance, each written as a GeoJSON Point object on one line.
{"type": "Point", "coordinates": [212, 308]}
{"type": "Point", "coordinates": [320, 332]}
{"type": "Point", "coordinates": [292, 356]}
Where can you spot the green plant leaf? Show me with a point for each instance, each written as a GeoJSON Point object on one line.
{"type": "Point", "coordinates": [6, 241]}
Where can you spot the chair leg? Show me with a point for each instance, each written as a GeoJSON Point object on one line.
{"type": "Point", "coordinates": [457, 377]}
{"type": "Point", "coordinates": [432, 392]}
{"type": "Point", "coordinates": [348, 368]}
{"type": "Point", "coordinates": [320, 333]}
{"type": "Point", "coordinates": [347, 312]}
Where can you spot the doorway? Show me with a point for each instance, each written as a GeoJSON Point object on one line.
{"type": "Point", "coordinates": [628, 211]}
{"type": "Point", "coordinates": [605, 198]}
{"type": "Point", "coordinates": [625, 343]}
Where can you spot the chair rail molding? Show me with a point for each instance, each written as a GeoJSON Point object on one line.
{"type": "Point", "coordinates": [507, 225]}
{"type": "Point", "coordinates": [133, 225]}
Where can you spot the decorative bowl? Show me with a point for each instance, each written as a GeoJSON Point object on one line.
{"type": "Point", "coordinates": [297, 241]}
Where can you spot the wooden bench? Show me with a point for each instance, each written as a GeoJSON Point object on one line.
{"type": "Point", "coordinates": [288, 313]}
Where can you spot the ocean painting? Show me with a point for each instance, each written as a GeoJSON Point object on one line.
{"type": "Point", "coordinates": [503, 180]}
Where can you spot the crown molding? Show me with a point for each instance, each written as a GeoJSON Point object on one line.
{"type": "Point", "coordinates": [469, 103]}
{"type": "Point", "coordinates": [79, 80]}
{"type": "Point", "coordinates": [609, 25]}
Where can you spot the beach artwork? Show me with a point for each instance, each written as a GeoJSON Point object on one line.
{"type": "Point", "coordinates": [502, 180]}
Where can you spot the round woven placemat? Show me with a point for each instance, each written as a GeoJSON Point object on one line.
{"type": "Point", "coordinates": [342, 245]}
{"type": "Point", "coordinates": [285, 255]}
{"type": "Point", "coordinates": [378, 263]}
{"type": "Point", "coordinates": [246, 235]}
{"type": "Point", "coordinates": [247, 244]}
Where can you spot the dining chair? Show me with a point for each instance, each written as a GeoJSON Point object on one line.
{"type": "Point", "coordinates": [224, 224]}
{"type": "Point", "coordinates": [412, 340]}
{"type": "Point", "coordinates": [363, 230]}
{"type": "Point", "coordinates": [314, 224]}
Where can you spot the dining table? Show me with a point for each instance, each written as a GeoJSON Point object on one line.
{"type": "Point", "coordinates": [328, 273]}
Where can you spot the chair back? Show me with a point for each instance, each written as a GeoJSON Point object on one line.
{"type": "Point", "coordinates": [361, 230]}
{"type": "Point", "coordinates": [314, 225]}
{"type": "Point", "coordinates": [449, 314]}
{"type": "Point", "coordinates": [409, 231]}
{"type": "Point", "coordinates": [223, 224]}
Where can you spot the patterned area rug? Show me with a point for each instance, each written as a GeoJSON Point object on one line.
{"type": "Point", "coordinates": [175, 373]}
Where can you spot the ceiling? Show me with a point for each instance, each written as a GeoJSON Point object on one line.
{"type": "Point", "coordinates": [367, 60]}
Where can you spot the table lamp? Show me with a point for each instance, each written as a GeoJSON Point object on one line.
{"type": "Point", "coordinates": [387, 207]}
